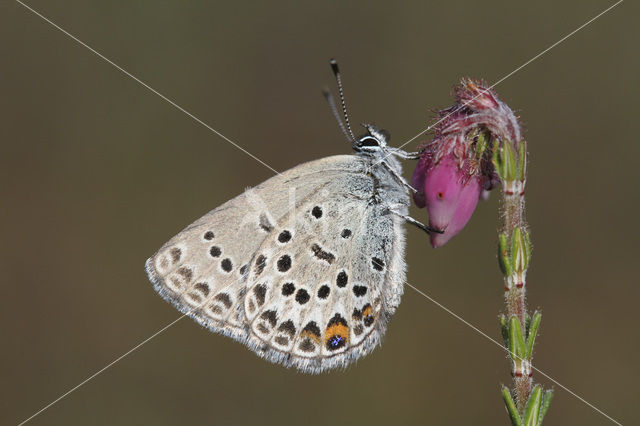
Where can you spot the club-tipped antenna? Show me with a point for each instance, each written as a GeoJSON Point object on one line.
{"type": "Point", "coordinates": [334, 111]}
{"type": "Point", "coordinates": [336, 73]}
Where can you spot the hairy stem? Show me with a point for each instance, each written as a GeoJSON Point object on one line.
{"type": "Point", "coordinates": [513, 214]}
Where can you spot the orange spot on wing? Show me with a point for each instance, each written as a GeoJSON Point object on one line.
{"type": "Point", "coordinates": [368, 310]}
{"type": "Point", "coordinates": [337, 330]}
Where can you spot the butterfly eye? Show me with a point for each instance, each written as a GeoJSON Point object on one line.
{"type": "Point", "coordinates": [364, 142]}
{"type": "Point", "coordinates": [440, 195]}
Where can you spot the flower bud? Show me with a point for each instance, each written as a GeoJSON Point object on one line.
{"type": "Point", "coordinates": [449, 194]}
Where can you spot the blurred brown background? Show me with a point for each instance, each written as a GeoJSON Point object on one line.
{"type": "Point", "coordinates": [97, 172]}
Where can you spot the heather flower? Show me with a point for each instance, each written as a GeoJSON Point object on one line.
{"type": "Point", "coordinates": [456, 167]}
{"type": "Point", "coordinates": [449, 194]}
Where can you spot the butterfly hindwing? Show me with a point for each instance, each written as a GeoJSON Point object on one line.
{"type": "Point", "coordinates": [322, 288]}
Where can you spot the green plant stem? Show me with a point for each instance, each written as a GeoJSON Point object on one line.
{"type": "Point", "coordinates": [513, 214]}
{"type": "Point", "coordinates": [515, 295]}
{"type": "Point", "coordinates": [515, 228]}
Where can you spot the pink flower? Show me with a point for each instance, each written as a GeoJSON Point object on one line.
{"type": "Point", "coordinates": [449, 195]}
{"type": "Point", "coordinates": [456, 167]}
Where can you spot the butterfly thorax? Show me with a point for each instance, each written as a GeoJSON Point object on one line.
{"type": "Point", "coordinates": [381, 162]}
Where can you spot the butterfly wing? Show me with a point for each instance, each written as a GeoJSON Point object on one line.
{"type": "Point", "coordinates": [203, 270]}
{"type": "Point", "coordinates": [323, 286]}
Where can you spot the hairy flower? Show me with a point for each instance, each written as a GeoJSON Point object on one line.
{"type": "Point", "coordinates": [456, 168]}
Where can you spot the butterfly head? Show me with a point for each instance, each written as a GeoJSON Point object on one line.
{"type": "Point", "coordinates": [375, 140]}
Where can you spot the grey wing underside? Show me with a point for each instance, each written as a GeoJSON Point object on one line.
{"type": "Point", "coordinates": [208, 271]}
{"type": "Point", "coordinates": [323, 300]}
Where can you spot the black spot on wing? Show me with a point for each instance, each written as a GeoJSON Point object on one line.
{"type": "Point", "coordinates": [260, 291]}
{"type": "Point", "coordinates": [342, 279]}
{"type": "Point", "coordinates": [323, 292]}
{"type": "Point", "coordinates": [281, 340]}
{"type": "Point", "coordinates": [357, 314]}
{"type": "Point", "coordinates": [202, 288]}
{"type": "Point", "coordinates": [335, 342]}
{"type": "Point", "coordinates": [243, 269]}
{"type": "Point", "coordinates": [321, 254]}
{"type": "Point", "coordinates": [224, 299]}
{"type": "Point", "coordinates": [175, 254]}
{"type": "Point", "coordinates": [359, 290]}
{"type": "Point", "coordinates": [377, 263]}
{"type": "Point", "coordinates": [261, 261]}
{"type": "Point", "coordinates": [317, 212]}
{"type": "Point", "coordinates": [186, 273]}
{"type": "Point", "coordinates": [265, 224]}
{"type": "Point", "coordinates": [284, 263]}
{"type": "Point", "coordinates": [288, 328]}
{"type": "Point", "coordinates": [284, 236]}
{"type": "Point", "coordinates": [302, 296]}
{"type": "Point", "coordinates": [226, 265]}
{"type": "Point", "coordinates": [270, 316]}
{"type": "Point", "coordinates": [337, 319]}
{"type": "Point", "coordinates": [288, 289]}
{"type": "Point", "coordinates": [307, 345]}
{"type": "Point", "coordinates": [312, 328]}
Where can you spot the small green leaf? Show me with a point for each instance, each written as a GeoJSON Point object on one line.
{"type": "Point", "coordinates": [516, 339]}
{"type": "Point", "coordinates": [532, 333]}
{"type": "Point", "coordinates": [522, 160]}
{"type": "Point", "coordinates": [546, 402]}
{"type": "Point", "coordinates": [509, 160]}
{"type": "Point", "coordinates": [503, 254]}
{"type": "Point", "coordinates": [481, 144]}
{"type": "Point", "coordinates": [511, 407]}
{"type": "Point", "coordinates": [518, 250]}
{"type": "Point", "coordinates": [527, 248]}
{"type": "Point", "coordinates": [496, 158]}
{"type": "Point", "coordinates": [532, 410]}
{"type": "Point", "coordinates": [505, 329]}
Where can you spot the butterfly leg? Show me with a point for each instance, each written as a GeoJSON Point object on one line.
{"type": "Point", "coordinates": [407, 155]}
{"type": "Point", "coordinates": [399, 178]}
{"type": "Point", "coordinates": [417, 223]}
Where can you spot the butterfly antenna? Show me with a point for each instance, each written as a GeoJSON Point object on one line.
{"type": "Point", "coordinates": [335, 112]}
{"type": "Point", "coordinates": [336, 73]}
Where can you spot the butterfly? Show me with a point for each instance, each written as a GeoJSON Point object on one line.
{"type": "Point", "coordinates": [305, 269]}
